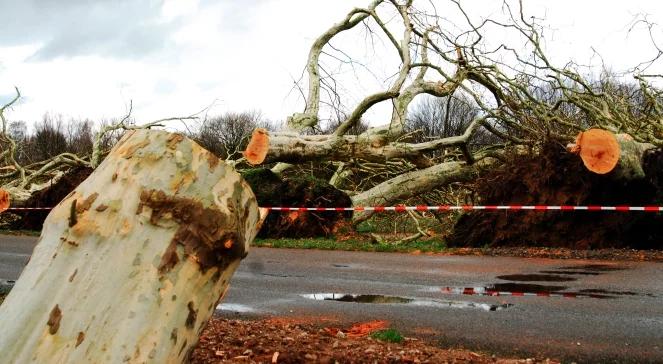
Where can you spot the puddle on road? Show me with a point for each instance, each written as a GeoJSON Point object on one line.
{"type": "Point", "coordinates": [561, 274]}
{"type": "Point", "coordinates": [361, 298]}
{"type": "Point", "coordinates": [520, 290]}
{"type": "Point", "coordinates": [569, 272]}
{"type": "Point", "coordinates": [340, 266]}
{"type": "Point", "coordinates": [235, 307]}
{"type": "Point", "coordinates": [380, 299]}
{"type": "Point", "coordinates": [595, 267]}
{"type": "Point", "coordinates": [536, 278]}
{"type": "Point", "coordinates": [524, 287]}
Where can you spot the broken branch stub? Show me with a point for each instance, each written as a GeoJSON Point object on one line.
{"type": "Point", "coordinates": [131, 264]}
{"type": "Point", "coordinates": [258, 146]}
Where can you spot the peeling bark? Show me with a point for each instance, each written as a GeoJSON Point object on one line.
{"type": "Point", "coordinates": [160, 227]}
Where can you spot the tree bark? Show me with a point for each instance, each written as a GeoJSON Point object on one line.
{"type": "Point", "coordinates": [631, 159]}
{"type": "Point", "coordinates": [415, 183]}
{"type": "Point", "coordinates": [130, 266]}
{"type": "Point", "coordinates": [632, 153]}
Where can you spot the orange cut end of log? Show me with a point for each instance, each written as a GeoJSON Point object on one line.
{"type": "Point", "coordinates": [599, 150]}
{"type": "Point", "coordinates": [5, 201]}
{"type": "Point", "coordinates": [256, 151]}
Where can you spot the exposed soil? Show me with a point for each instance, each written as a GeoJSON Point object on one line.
{"type": "Point", "coordinates": [556, 177]}
{"type": "Point", "coordinates": [305, 191]}
{"type": "Point", "coordinates": [48, 197]}
{"type": "Point", "coordinates": [312, 340]}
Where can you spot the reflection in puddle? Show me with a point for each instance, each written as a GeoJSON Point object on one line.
{"type": "Point", "coordinates": [362, 298]}
{"type": "Point", "coordinates": [570, 272]}
{"type": "Point", "coordinates": [618, 293]}
{"type": "Point", "coordinates": [535, 278]}
{"type": "Point", "coordinates": [533, 290]}
{"type": "Point", "coordinates": [235, 307]}
{"type": "Point", "coordinates": [380, 299]}
{"type": "Point", "coordinates": [524, 287]}
{"type": "Point", "coordinates": [596, 267]}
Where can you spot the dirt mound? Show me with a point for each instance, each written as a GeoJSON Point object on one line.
{"type": "Point", "coordinates": [556, 177]}
{"type": "Point", "coordinates": [304, 191]}
{"type": "Point", "coordinates": [48, 197]}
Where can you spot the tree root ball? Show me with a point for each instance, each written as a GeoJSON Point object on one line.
{"type": "Point", "coordinates": [306, 191]}
{"type": "Point", "coordinates": [556, 177]}
{"type": "Point", "coordinates": [48, 197]}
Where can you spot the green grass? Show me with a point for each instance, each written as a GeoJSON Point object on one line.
{"type": "Point", "coordinates": [433, 245]}
{"type": "Point", "coordinates": [388, 335]}
{"type": "Point", "coordinates": [20, 232]}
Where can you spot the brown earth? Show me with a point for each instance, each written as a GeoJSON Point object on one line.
{"type": "Point", "coordinates": [556, 177]}
{"type": "Point", "coordinates": [300, 191]}
{"type": "Point", "coordinates": [48, 197]}
{"type": "Point", "coordinates": [312, 340]}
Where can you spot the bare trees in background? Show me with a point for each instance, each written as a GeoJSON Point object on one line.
{"type": "Point", "coordinates": [226, 135]}
{"type": "Point", "coordinates": [487, 88]}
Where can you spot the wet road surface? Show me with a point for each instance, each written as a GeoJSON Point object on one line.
{"type": "Point", "coordinates": [584, 311]}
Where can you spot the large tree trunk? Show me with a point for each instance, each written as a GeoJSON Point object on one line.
{"type": "Point", "coordinates": [414, 183]}
{"type": "Point", "coordinates": [619, 155]}
{"type": "Point", "coordinates": [130, 266]}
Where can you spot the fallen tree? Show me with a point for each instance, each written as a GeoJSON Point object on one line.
{"type": "Point", "coordinates": [521, 99]}
{"type": "Point", "coordinates": [133, 262]}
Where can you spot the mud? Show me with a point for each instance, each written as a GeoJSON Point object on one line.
{"type": "Point", "coordinates": [203, 232]}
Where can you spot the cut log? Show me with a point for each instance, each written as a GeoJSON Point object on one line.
{"type": "Point", "coordinates": [130, 266]}
{"type": "Point", "coordinates": [256, 150]}
{"type": "Point", "coordinates": [603, 152]}
{"type": "Point", "coordinates": [4, 200]}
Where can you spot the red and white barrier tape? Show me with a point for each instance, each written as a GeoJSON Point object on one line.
{"type": "Point", "coordinates": [474, 207]}
{"type": "Point", "coordinates": [483, 291]}
{"type": "Point", "coordinates": [444, 208]}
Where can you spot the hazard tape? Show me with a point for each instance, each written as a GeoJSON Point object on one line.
{"type": "Point", "coordinates": [443, 208]}
{"type": "Point", "coordinates": [474, 207]}
{"type": "Point", "coordinates": [483, 291]}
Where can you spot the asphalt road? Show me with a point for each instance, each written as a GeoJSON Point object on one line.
{"type": "Point", "coordinates": [612, 312]}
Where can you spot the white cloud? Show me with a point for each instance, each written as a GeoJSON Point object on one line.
{"type": "Point", "coordinates": [176, 57]}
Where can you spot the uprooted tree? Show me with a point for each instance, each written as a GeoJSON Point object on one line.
{"type": "Point", "coordinates": [169, 263]}
{"type": "Point", "coordinates": [524, 101]}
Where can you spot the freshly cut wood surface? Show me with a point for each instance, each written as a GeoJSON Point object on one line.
{"type": "Point", "coordinates": [599, 150]}
{"type": "Point", "coordinates": [4, 200]}
{"type": "Point", "coordinates": [256, 151]}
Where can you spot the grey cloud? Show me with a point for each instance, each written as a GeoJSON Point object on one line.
{"type": "Point", "coordinates": [118, 29]}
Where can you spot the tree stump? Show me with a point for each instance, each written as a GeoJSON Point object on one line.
{"type": "Point", "coordinates": [131, 264]}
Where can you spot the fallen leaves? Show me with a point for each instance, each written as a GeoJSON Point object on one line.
{"type": "Point", "coordinates": [285, 340]}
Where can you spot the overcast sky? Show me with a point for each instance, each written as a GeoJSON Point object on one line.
{"type": "Point", "coordinates": [89, 58]}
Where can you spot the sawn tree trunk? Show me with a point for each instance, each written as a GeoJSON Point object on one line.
{"type": "Point", "coordinates": [130, 266]}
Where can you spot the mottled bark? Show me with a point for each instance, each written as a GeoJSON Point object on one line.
{"type": "Point", "coordinates": [130, 266]}
{"type": "Point", "coordinates": [415, 183]}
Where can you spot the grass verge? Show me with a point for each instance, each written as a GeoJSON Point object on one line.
{"type": "Point", "coordinates": [20, 232]}
{"type": "Point", "coordinates": [432, 245]}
